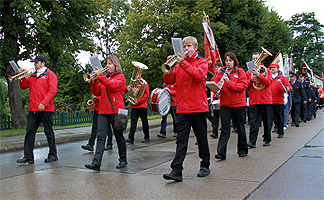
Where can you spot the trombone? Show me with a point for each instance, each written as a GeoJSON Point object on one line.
{"type": "Point", "coordinates": [24, 74]}
{"type": "Point", "coordinates": [167, 67]}
{"type": "Point", "coordinates": [87, 77]}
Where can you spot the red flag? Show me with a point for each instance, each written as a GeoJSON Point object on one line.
{"type": "Point", "coordinates": [304, 68]}
{"type": "Point", "coordinates": [211, 50]}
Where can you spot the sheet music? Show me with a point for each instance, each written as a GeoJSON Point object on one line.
{"type": "Point", "coordinates": [95, 62]}
{"type": "Point", "coordinates": [14, 66]}
{"type": "Point", "coordinates": [250, 66]}
{"type": "Point", "coordinates": [177, 46]}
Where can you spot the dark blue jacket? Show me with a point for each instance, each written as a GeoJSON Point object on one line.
{"type": "Point", "coordinates": [297, 93]}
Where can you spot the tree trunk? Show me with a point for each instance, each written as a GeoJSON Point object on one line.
{"type": "Point", "coordinates": [18, 115]}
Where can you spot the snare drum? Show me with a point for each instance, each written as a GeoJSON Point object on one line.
{"type": "Point", "coordinates": [160, 101]}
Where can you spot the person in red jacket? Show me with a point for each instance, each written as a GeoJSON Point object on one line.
{"type": "Point", "coordinates": [173, 111]}
{"type": "Point", "coordinates": [232, 105]}
{"type": "Point", "coordinates": [260, 100]}
{"type": "Point", "coordinates": [42, 86]}
{"type": "Point", "coordinates": [112, 84]}
{"type": "Point", "coordinates": [94, 128]}
{"type": "Point", "coordinates": [192, 107]}
{"type": "Point", "coordinates": [279, 86]}
{"type": "Point", "coordinates": [139, 109]}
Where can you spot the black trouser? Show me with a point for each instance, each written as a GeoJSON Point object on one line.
{"type": "Point", "coordinates": [278, 117]}
{"type": "Point", "coordinates": [199, 125]}
{"type": "Point", "coordinates": [295, 113]}
{"type": "Point", "coordinates": [216, 122]}
{"type": "Point", "coordinates": [95, 128]}
{"type": "Point", "coordinates": [238, 114]}
{"type": "Point", "coordinates": [265, 111]}
{"type": "Point", "coordinates": [135, 114]}
{"type": "Point", "coordinates": [103, 122]}
{"type": "Point", "coordinates": [34, 119]}
{"type": "Point", "coordinates": [310, 109]}
{"type": "Point", "coordinates": [304, 111]}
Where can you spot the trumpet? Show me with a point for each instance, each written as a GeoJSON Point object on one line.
{"type": "Point", "coordinates": [87, 77]}
{"type": "Point", "coordinates": [168, 66]}
{"type": "Point", "coordinates": [24, 74]}
{"type": "Point", "coordinates": [91, 105]}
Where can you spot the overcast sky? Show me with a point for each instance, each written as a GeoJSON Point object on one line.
{"type": "Point", "coordinates": [287, 8]}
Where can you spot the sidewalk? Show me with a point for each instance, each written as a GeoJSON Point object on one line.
{"type": "Point", "coordinates": [291, 168]}
{"type": "Point", "coordinates": [16, 142]}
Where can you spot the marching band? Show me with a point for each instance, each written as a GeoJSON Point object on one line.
{"type": "Point", "coordinates": [270, 98]}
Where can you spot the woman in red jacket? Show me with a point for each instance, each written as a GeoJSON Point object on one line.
{"type": "Point", "coordinates": [232, 105]}
{"type": "Point", "coordinates": [113, 84]}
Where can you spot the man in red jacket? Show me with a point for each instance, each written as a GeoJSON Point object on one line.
{"type": "Point", "coordinates": [260, 100]}
{"type": "Point", "coordinates": [192, 107]}
{"type": "Point", "coordinates": [42, 86]}
{"type": "Point", "coordinates": [139, 109]}
{"type": "Point", "coordinates": [279, 86]}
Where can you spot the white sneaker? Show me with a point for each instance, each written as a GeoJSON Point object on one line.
{"type": "Point", "coordinates": [285, 127]}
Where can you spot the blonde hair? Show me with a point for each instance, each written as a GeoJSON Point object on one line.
{"type": "Point", "coordinates": [116, 62]}
{"type": "Point", "coordinates": [190, 39]}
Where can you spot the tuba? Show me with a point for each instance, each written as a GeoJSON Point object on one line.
{"type": "Point", "coordinates": [138, 84]}
{"type": "Point", "coordinates": [265, 53]}
{"type": "Point", "coordinates": [168, 66]}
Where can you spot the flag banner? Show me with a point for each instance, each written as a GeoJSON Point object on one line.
{"type": "Point", "coordinates": [286, 65]}
{"type": "Point", "coordinates": [210, 47]}
{"type": "Point", "coordinates": [279, 61]}
{"type": "Point", "coordinates": [305, 68]}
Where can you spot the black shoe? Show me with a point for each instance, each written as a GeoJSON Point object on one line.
{"type": "Point", "coordinates": [93, 167]}
{"type": "Point", "coordinates": [130, 141]}
{"type": "Point", "coordinates": [121, 164]}
{"type": "Point", "coordinates": [266, 144]}
{"type": "Point", "coordinates": [146, 140]}
{"type": "Point", "coordinates": [220, 157]}
{"type": "Point", "coordinates": [173, 176]}
{"type": "Point", "coordinates": [87, 147]}
{"type": "Point", "coordinates": [242, 155]}
{"type": "Point", "coordinates": [25, 160]}
{"type": "Point", "coordinates": [214, 136]}
{"type": "Point", "coordinates": [275, 130]}
{"type": "Point", "coordinates": [280, 136]}
{"type": "Point", "coordinates": [297, 125]}
{"type": "Point", "coordinates": [251, 145]}
{"type": "Point", "coordinates": [204, 171]}
{"type": "Point", "coordinates": [50, 159]}
{"type": "Point", "coordinates": [109, 147]}
{"type": "Point", "coordinates": [305, 120]}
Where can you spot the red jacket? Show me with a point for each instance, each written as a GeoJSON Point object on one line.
{"type": "Point", "coordinates": [277, 90]}
{"type": "Point", "coordinates": [142, 102]}
{"type": "Point", "coordinates": [263, 96]}
{"type": "Point", "coordinates": [172, 88]}
{"type": "Point", "coordinates": [97, 103]}
{"type": "Point", "coordinates": [42, 90]}
{"type": "Point", "coordinates": [116, 86]}
{"type": "Point", "coordinates": [190, 76]}
{"type": "Point", "coordinates": [232, 93]}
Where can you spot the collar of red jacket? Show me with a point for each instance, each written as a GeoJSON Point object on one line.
{"type": "Point", "coordinates": [194, 56]}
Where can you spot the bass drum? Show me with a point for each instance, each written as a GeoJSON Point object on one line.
{"type": "Point", "coordinates": [160, 101]}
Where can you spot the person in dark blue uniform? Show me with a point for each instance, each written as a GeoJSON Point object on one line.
{"type": "Point", "coordinates": [298, 95]}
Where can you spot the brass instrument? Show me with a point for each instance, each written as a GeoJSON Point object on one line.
{"type": "Point", "coordinates": [87, 77]}
{"type": "Point", "coordinates": [91, 105]}
{"type": "Point", "coordinates": [24, 74]}
{"type": "Point", "coordinates": [137, 84]}
{"type": "Point", "coordinates": [265, 53]}
{"type": "Point", "coordinates": [168, 66]}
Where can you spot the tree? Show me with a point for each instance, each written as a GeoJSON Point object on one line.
{"type": "Point", "coordinates": [308, 41]}
{"type": "Point", "coordinates": [149, 27]}
{"type": "Point", "coordinates": [111, 25]}
{"type": "Point", "coordinates": [250, 26]}
{"type": "Point", "coordinates": [58, 28]}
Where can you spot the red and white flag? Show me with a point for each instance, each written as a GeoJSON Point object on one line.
{"type": "Point", "coordinates": [211, 50]}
